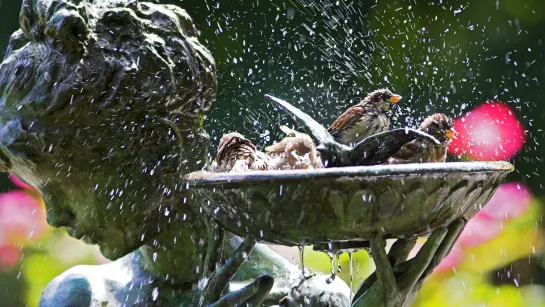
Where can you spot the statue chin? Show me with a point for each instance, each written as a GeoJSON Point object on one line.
{"type": "Point", "coordinates": [114, 252]}
{"type": "Point", "coordinates": [113, 245]}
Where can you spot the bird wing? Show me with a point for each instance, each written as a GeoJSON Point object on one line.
{"type": "Point", "coordinates": [379, 147]}
{"type": "Point", "coordinates": [316, 131]}
{"type": "Point", "coordinates": [409, 150]}
{"type": "Point", "coordinates": [349, 118]}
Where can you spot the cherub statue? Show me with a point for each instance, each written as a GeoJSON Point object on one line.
{"type": "Point", "coordinates": [101, 110]}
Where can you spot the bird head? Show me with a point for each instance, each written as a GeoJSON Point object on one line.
{"type": "Point", "coordinates": [384, 99]}
{"type": "Point", "coordinates": [229, 140]}
{"type": "Point", "coordinates": [439, 126]}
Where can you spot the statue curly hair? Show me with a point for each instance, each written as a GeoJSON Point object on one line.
{"type": "Point", "coordinates": [101, 109]}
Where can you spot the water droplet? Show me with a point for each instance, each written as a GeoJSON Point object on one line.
{"type": "Point", "coordinates": [155, 294]}
{"type": "Point", "coordinates": [332, 273]}
{"type": "Point", "coordinates": [350, 260]}
{"type": "Point", "coordinates": [302, 259]}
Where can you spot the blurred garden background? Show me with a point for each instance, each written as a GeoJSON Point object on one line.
{"type": "Point", "coordinates": [480, 61]}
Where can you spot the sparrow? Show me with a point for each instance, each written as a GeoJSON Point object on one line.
{"type": "Point", "coordinates": [368, 117]}
{"type": "Point", "coordinates": [295, 151]}
{"type": "Point", "coordinates": [235, 153]}
{"type": "Point", "coordinates": [422, 150]}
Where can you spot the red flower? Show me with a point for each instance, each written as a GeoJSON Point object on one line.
{"type": "Point", "coordinates": [489, 132]}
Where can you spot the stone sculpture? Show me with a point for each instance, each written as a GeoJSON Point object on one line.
{"type": "Point", "coordinates": [101, 110]}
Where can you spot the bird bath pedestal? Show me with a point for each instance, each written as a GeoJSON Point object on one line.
{"type": "Point", "coordinates": [356, 207]}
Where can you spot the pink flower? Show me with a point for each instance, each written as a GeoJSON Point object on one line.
{"type": "Point", "coordinates": [19, 183]}
{"type": "Point", "coordinates": [510, 201]}
{"type": "Point", "coordinates": [9, 257]}
{"type": "Point", "coordinates": [489, 132]}
{"type": "Point", "coordinates": [22, 219]}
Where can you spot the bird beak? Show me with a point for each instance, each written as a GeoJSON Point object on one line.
{"type": "Point", "coordinates": [450, 134]}
{"type": "Point", "coordinates": [395, 98]}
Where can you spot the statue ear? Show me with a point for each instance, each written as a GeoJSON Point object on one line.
{"type": "Point", "coordinates": [66, 28]}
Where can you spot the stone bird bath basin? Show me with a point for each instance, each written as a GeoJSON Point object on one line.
{"type": "Point", "coordinates": [345, 204]}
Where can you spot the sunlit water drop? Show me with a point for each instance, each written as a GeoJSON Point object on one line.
{"type": "Point", "coordinates": [155, 294]}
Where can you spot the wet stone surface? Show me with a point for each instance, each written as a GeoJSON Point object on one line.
{"type": "Point", "coordinates": [321, 206]}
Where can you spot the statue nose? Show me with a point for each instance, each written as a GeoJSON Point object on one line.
{"type": "Point", "coordinates": [60, 217]}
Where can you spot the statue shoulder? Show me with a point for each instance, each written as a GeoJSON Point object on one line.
{"type": "Point", "coordinates": [68, 289]}
{"type": "Point", "coordinates": [92, 285]}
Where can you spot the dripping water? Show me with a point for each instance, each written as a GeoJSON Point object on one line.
{"type": "Point", "coordinates": [302, 260]}
{"type": "Point", "coordinates": [351, 273]}
{"type": "Point", "coordinates": [358, 272]}
{"type": "Point", "coordinates": [332, 259]}
{"type": "Point", "coordinates": [338, 259]}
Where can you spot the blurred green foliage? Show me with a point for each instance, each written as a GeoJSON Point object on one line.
{"type": "Point", "coordinates": [49, 257]}
{"type": "Point", "coordinates": [40, 262]}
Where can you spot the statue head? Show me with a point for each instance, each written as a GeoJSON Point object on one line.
{"type": "Point", "coordinates": [101, 110]}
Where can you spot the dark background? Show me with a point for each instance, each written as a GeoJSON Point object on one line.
{"type": "Point", "coordinates": [440, 55]}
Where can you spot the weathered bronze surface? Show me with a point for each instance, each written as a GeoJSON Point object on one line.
{"type": "Point", "coordinates": [347, 204]}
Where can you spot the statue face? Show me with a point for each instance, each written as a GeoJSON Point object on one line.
{"type": "Point", "coordinates": [103, 120]}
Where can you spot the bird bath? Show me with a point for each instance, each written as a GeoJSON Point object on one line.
{"type": "Point", "coordinates": [346, 204]}
{"type": "Point", "coordinates": [353, 208]}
